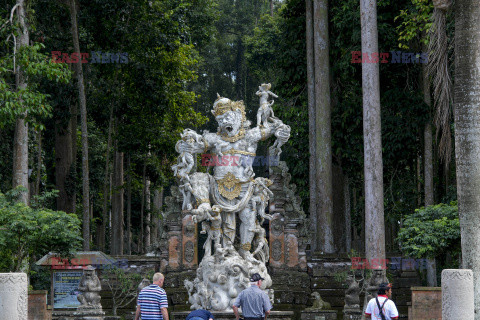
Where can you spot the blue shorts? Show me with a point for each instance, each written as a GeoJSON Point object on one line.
{"type": "Point", "coordinates": [196, 318]}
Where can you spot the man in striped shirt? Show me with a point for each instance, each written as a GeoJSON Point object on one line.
{"type": "Point", "coordinates": [152, 301]}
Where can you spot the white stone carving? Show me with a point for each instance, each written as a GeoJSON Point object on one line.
{"type": "Point", "coordinates": [216, 200]}
{"type": "Point", "coordinates": [457, 294]}
{"type": "Point", "coordinates": [13, 296]}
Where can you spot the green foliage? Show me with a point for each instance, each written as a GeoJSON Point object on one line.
{"type": "Point", "coordinates": [28, 102]}
{"type": "Point", "coordinates": [415, 21]}
{"type": "Point", "coordinates": [123, 286]}
{"type": "Point", "coordinates": [431, 232]}
{"type": "Point", "coordinates": [29, 232]}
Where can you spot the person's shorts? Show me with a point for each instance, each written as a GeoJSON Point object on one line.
{"type": "Point", "coordinates": [196, 318]}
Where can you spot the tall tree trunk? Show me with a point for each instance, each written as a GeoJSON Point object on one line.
{"type": "Point", "coordinates": [73, 167]}
{"type": "Point", "coordinates": [323, 148]}
{"type": "Point", "coordinates": [83, 116]}
{"type": "Point", "coordinates": [106, 194]}
{"type": "Point", "coordinates": [129, 206]}
{"type": "Point", "coordinates": [419, 180]}
{"type": "Point", "coordinates": [116, 242]}
{"type": "Point", "coordinates": [157, 211]}
{"type": "Point", "coordinates": [467, 135]}
{"type": "Point", "coordinates": [428, 143]}
{"type": "Point", "coordinates": [348, 219]}
{"type": "Point", "coordinates": [374, 209]}
{"type": "Point", "coordinates": [148, 215]}
{"type": "Point", "coordinates": [63, 163]}
{"type": "Point", "coordinates": [428, 170]}
{"type": "Point", "coordinates": [142, 211]}
{"type": "Point", "coordinates": [20, 142]}
{"type": "Point", "coordinates": [39, 162]}
{"type": "Point", "coordinates": [311, 122]}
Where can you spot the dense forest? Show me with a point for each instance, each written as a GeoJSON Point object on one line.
{"type": "Point", "coordinates": [94, 96]}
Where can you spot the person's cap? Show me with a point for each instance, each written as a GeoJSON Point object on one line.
{"type": "Point", "coordinates": [256, 277]}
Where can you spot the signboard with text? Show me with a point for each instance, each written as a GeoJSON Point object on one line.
{"type": "Point", "coordinates": [65, 289]}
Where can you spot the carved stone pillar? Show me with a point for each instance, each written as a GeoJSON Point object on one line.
{"type": "Point", "coordinates": [189, 242]}
{"type": "Point", "coordinates": [291, 243]}
{"type": "Point", "coordinates": [457, 294]}
{"type": "Point", "coordinates": [13, 296]}
{"type": "Point", "coordinates": [277, 243]}
{"type": "Point", "coordinates": [174, 246]}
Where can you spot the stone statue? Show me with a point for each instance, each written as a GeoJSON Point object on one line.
{"type": "Point", "coordinates": [265, 111]}
{"type": "Point", "coordinates": [90, 287]}
{"type": "Point", "coordinates": [352, 294]}
{"type": "Point", "coordinates": [229, 200]}
{"type": "Point", "coordinates": [318, 303]}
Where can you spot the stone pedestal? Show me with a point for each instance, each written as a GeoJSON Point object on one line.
{"type": "Point", "coordinates": [351, 313]}
{"type": "Point", "coordinates": [13, 296]}
{"type": "Point", "coordinates": [274, 315]}
{"type": "Point", "coordinates": [319, 315]}
{"type": "Point", "coordinates": [37, 305]}
{"type": "Point", "coordinates": [457, 294]}
{"type": "Point", "coordinates": [426, 303]}
{"type": "Point", "coordinates": [88, 314]}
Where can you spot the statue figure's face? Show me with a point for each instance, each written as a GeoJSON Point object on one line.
{"type": "Point", "coordinates": [229, 123]}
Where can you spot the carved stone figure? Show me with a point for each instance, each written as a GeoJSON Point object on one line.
{"type": "Point", "coordinates": [260, 197]}
{"type": "Point", "coordinates": [352, 294]}
{"type": "Point", "coordinates": [265, 111]}
{"type": "Point", "coordinates": [318, 303]}
{"type": "Point", "coordinates": [90, 287]}
{"type": "Point", "coordinates": [229, 194]}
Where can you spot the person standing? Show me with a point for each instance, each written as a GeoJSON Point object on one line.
{"type": "Point", "coordinates": [381, 307]}
{"type": "Point", "coordinates": [200, 314]}
{"type": "Point", "coordinates": [254, 302]}
{"type": "Point", "coordinates": [152, 301]}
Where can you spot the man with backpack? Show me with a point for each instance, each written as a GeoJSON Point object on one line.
{"type": "Point", "coordinates": [381, 307]}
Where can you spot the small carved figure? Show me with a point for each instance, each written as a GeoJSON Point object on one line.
{"type": "Point", "coordinates": [186, 160]}
{"type": "Point", "coordinates": [260, 197]}
{"type": "Point", "coordinates": [265, 111]}
{"type": "Point", "coordinates": [282, 134]}
{"type": "Point", "coordinates": [261, 245]}
{"type": "Point", "coordinates": [318, 303]}
{"type": "Point", "coordinates": [214, 230]}
{"type": "Point", "coordinates": [201, 214]}
{"type": "Point", "coordinates": [90, 287]}
{"type": "Point", "coordinates": [352, 294]}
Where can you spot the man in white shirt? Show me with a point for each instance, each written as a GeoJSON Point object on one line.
{"type": "Point", "coordinates": [381, 307]}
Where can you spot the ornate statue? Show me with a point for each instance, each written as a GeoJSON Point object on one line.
{"type": "Point", "coordinates": [90, 287]}
{"type": "Point", "coordinates": [318, 303]}
{"type": "Point", "coordinates": [231, 191]}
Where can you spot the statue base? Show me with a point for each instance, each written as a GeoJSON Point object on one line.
{"type": "Point", "coordinates": [89, 314]}
{"type": "Point", "coordinates": [318, 315]}
{"type": "Point", "coordinates": [274, 315]}
{"type": "Point", "coordinates": [352, 313]}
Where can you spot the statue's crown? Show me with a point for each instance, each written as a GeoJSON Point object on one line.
{"type": "Point", "coordinates": [223, 105]}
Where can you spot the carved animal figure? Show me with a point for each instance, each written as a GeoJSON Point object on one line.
{"type": "Point", "coordinates": [90, 287]}
{"type": "Point", "coordinates": [352, 294]}
{"type": "Point", "coordinates": [318, 303]}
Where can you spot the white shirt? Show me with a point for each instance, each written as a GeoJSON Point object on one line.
{"type": "Point", "coordinates": [389, 309]}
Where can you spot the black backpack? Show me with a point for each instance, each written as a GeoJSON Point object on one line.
{"type": "Point", "coordinates": [380, 309]}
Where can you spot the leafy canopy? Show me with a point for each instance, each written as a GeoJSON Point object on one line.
{"type": "Point", "coordinates": [29, 232]}
{"type": "Point", "coordinates": [430, 232]}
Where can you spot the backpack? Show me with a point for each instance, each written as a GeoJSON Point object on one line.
{"type": "Point", "coordinates": [380, 309]}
